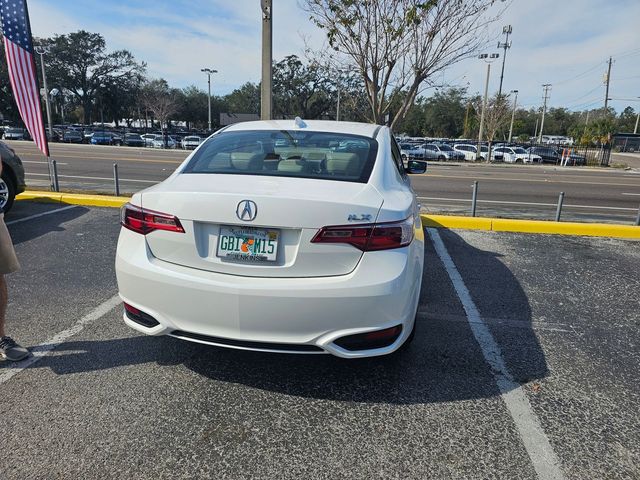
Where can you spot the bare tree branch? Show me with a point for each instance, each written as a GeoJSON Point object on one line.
{"type": "Point", "coordinates": [399, 45]}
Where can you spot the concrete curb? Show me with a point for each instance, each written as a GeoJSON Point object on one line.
{"type": "Point", "coordinates": [74, 199]}
{"type": "Point", "coordinates": [439, 221]}
{"type": "Point", "coordinates": [532, 226]}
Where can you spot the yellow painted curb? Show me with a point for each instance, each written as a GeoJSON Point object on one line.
{"type": "Point", "coordinates": [465, 223]}
{"type": "Point", "coordinates": [74, 199]}
{"type": "Point", "coordinates": [532, 226]}
{"type": "Point", "coordinates": [94, 200]}
{"type": "Point", "coordinates": [43, 196]}
{"type": "Point", "coordinates": [566, 228]}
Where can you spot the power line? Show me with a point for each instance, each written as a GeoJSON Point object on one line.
{"type": "Point", "coordinates": [580, 75]}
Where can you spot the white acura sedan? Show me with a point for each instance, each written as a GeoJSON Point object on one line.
{"type": "Point", "coordinates": [279, 236]}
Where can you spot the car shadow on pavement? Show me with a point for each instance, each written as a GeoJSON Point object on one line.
{"type": "Point", "coordinates": [443, 364]}
{"type": "Point", "coordinates": [39, 226]}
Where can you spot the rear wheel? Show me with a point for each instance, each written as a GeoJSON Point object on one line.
{"type": "Point", "coordinates": [7, 191]}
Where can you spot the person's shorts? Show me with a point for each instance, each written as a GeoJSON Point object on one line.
{"type": "Point", "coordinates": [8, 260]}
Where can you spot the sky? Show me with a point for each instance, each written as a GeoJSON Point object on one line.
{"type": "Point", "coordinates": [566, 43]}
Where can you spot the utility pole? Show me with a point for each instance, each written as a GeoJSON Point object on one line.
{"type": "Point", "coordinates": [488, 58]}
{"type": "Point", "coordinates": [41, 50]}
{"type": "Point", "coordinates": [606, 95]}
{"type": "Point", "coordinates": [547, 87]}
{"type": "Point", "coordinates": [635, 130]}
{"type": "Point", "coordinates": [465, 133]}
{"type": "Point", "coordinates": [506, 45]}
{"type": "Point", "coordinates": [267, 53]}
{"type": "Point", "coordinates": [209, 71]}
{"type": "Point", "coordinates": [513, 113]}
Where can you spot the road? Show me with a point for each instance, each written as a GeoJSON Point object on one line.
{"type": "Point", "coordinates": [514, 191]}
{"type": "Point", "coordinates": [524, 366]}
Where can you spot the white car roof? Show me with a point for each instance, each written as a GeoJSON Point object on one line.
{"type": "Point", "coordinates": [354, 128]}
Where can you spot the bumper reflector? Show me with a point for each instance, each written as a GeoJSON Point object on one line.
{"type": "Point", "coordinates": [139, 316]}
{"type": "Point", "coordinates": [370, 340]}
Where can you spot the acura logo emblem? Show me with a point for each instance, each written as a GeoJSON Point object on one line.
{"type": "Point", "coordinates": [247, 210]}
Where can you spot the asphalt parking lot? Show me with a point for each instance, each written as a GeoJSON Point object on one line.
{"type": "Point", "coordinates": [524, 365]}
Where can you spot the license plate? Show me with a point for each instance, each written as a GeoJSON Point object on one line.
{"type": "Point", "coordinates": [248, 244]}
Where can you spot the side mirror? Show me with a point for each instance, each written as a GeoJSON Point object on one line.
{"type": "Point", "coordinates": [416, 167]}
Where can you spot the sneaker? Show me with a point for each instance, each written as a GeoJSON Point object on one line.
{"type": "Point", "coordinates": [10, 350]}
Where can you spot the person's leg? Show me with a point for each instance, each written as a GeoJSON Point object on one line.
{"type": "Point", "coordinates": [3, 303]}
{"type": "Point", "coordinates": [9, 349]}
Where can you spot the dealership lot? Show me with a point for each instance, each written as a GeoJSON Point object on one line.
{"type": "Point", "coordinates": [510, 191]}
{"type": "Point", "coordinates": [106, 402]}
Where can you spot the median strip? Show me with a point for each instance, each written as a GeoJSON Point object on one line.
{"type": "Point", "coordinates": [437, 221]}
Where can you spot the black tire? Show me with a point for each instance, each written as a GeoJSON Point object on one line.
{"type": "Point", "coordinates": [7, 191]}
{"type": "Point", "coordinates": [441, 158]}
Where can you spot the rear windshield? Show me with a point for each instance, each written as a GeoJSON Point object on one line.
{"type": "Point", "coordinates": [304, 154]}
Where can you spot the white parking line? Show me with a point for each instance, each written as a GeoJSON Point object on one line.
{"type": "Point", "coordinates": [506, 202]}
{"type": "Point", "coordinates": [42, 350]}
{"type": "Point", "coordinates": [30, 217]}
{"type": "Point", "coordinates": [634, 194]}
{"type": "Point", "coordinates": [544, 460]}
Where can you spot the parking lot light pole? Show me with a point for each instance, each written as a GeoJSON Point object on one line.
{"type": "Point", "coordinates": [488, 58]}
{"type": "Point", "coordinates": [42, 50]}
{"type": "Point", "coordinates": [209, 71]}
{"type": "Point", "coordinates": [513, 113]}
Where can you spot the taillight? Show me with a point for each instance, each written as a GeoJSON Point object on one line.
{"type": "Point", "coordinates": [142, 220]}
{"type": "Point", "coordinates": [369, 237]}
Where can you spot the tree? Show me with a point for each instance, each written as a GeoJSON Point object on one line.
{"type": "Point", "coordinates": [245, 99]}
{"type": "Point", "coordinates": [400, 45]}
{"type": "Point", "coordinates": [496, 113]}
{"type": "Point", "coordinates": [79, 63]}
{"type": "Point", "coordinates": [303, 90]}
{"type": "Point", "coordinates": [445, 113]}
{"type": "Point", "coordinates": [161, 100]}
{"type": "Point", "coordinates": [193, 107]}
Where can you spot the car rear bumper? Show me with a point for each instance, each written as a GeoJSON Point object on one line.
{"type": "Point", "coordinates": [305, 314]}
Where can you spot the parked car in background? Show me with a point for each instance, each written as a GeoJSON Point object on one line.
{"type": "Point", "coordinates": [469, 151]}
{"type": "Point", "coordinates": [517, 155]}
{"type": "Point", "coordinates": [72, 136]}
{"type": "Point", "coordinates": [88, 133]}
{"type": "Point", "coordinates": [434, 151]}
{"type": "Point", "coordinates": [13, 133]}
{"type": "Point", "coordinates": [133, 140]}
{"type": "Point", "coordinates": [12, 181]}
{"type": "Point", "coordinates": [411, 151]}
{"type": "Point", "coordinates": [148, 139]}
{"type": "Point", "coordinates": [158, 142]}
{"type": "Point", "coordinates": [56, 137]}
{"type": "Point", "coordinates": [554, 155]}
{"type": "Point", "coordinates": [190, 142]}
{"type": "Point", "coordinates": [105, 138]}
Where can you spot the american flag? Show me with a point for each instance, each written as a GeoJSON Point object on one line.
{"type": "Point", "coordinates": [18, 46]}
